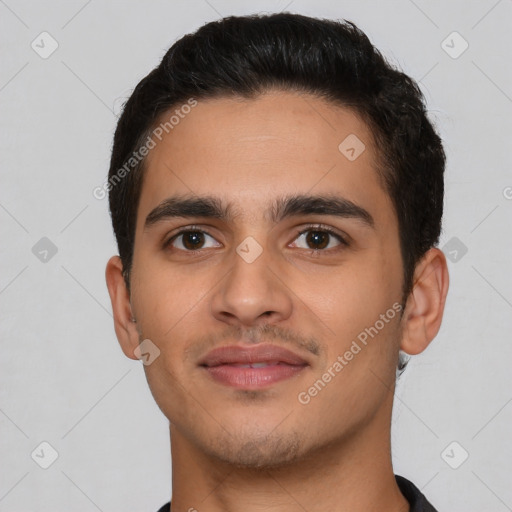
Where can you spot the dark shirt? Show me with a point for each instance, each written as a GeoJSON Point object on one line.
{"type": "Point", "coordinates": [412, 494]}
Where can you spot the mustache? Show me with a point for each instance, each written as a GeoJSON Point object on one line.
{"type": "Point", "coordinates": [253, 335]}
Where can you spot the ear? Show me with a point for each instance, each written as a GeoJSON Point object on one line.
{"type": "Point", "coordinates": [425, 304]}
{"type": "Point", "coordinates": [125, 327]}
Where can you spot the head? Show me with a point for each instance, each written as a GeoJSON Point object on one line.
{"type": "Point", "coordinates": [259, 128]}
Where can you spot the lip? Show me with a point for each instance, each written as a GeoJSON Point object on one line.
{"type": "Point", "coordinates": [260, 353]}
{"type": "Point", "coordinates": [272, 364]}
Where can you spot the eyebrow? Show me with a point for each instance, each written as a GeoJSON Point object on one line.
{"type": "Point", "coordinates": [281, 208]}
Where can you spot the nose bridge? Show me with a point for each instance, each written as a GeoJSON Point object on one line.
{"type": "Point", "coordinates": [251, 263]}
{"type": "Point", "coordinates": [251, 289]}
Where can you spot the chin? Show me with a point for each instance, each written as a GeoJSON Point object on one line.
{"type": "Point", "coordinates": [260, 452]}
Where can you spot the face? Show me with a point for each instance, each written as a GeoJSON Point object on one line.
{"type": "Point", "coordinates": [320, 279]}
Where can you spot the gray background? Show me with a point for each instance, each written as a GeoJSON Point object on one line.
{"type": "Point", "coordinates": [64, 379]}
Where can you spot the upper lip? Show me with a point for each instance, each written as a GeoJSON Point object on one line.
{"type": "Point", "coordinates": [261, 353]}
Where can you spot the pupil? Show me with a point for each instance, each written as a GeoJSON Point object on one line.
{"type": "Point", "coordinates": [194, 238]}
{"type": "Point", "coordinates": [316, 237]}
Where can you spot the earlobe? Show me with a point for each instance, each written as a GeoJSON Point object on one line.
{"type": "Point", "coordinates": [425, 305]}
{"type": "Point", "coordinates": [124, 324]}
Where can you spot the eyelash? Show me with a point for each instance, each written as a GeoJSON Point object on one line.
{"type": "Point", "coordinates": [311, 227]}
{"type": "Point", "coordinates": [322, 229]}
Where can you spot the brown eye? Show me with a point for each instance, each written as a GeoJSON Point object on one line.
{"type": "Point", "coordinates": [319, 239]}
{"type": "Point", "coordinates": [190, 240]}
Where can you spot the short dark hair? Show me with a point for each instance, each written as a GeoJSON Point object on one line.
{"type": "Point", "coordinates": [333, 60]}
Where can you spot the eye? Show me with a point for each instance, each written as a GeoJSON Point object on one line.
{"type": "Point", "coordinates": [190, 240]}
{"type": "Point", "coordinates": [319, 238]}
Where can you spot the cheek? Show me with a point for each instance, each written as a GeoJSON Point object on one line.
{"type": "Point", "coordinates": [170, 305]}
{"type": "Point", "coordinates": [349, 301]}
{"type": "Point", "coordinates": [354, 293]}
{"type": "Point", "coordinates": [157, 304]}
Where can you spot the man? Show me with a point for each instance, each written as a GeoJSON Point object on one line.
{"type": "Point", "coordinates": [276, 191]}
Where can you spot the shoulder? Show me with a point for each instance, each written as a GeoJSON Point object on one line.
{"type": "Point", "coordinates": [165, 508]}
{"type": "Point", "coordinates": [413, 495]}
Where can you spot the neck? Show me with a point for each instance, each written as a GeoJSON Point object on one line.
{"type": "Point", "coordinates": [349, 474]}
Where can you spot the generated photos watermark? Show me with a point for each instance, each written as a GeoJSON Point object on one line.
{"type": "Point", "coordinates": [100, 192]}
{"type": "Point", "coordinates": [304, 397]}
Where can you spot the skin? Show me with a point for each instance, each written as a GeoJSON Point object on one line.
{"type": "Point", "coordinates": [238, 450]}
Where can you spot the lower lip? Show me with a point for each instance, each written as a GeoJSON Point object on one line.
{"type": "Point", "coordinates": [252, 378]}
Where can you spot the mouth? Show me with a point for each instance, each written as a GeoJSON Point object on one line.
{"type": "Point", "coordinates": [253, 367]}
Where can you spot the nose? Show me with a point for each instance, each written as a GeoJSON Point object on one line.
{"type": "Point", "coordinates": [252, 292]}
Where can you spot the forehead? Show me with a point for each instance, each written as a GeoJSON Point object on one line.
{"type": "Point", "coordinates": [250, 151]}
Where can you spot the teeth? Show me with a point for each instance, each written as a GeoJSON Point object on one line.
{"type": "Point", "coordinates": [255, 365]}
